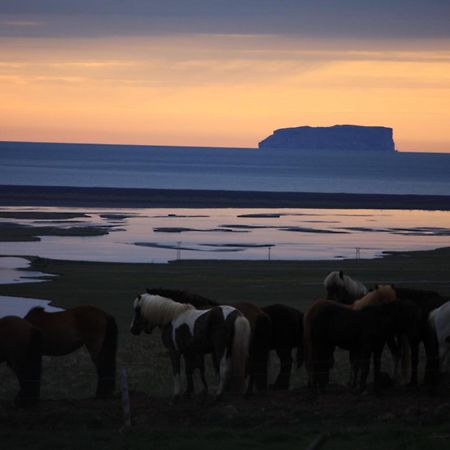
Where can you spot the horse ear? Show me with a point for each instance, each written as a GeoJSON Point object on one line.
{"type": "Point", "coordinates": [341, 274]}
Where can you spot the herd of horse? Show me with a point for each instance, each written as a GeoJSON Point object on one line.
{"type": "Point", "coordinates": [240, 336]}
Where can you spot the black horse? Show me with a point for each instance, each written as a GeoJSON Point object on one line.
{"type": "Point", "coordinates": [21, 349]}
{"type": "Point", "coordinates": [363, 332]}
{"type": "Point", "coordinates": [287, 334]}
{"type": "Point", "coordinates": [426, 301]}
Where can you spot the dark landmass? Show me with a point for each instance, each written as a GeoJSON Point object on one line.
{"type": "Point", "coordinates": [40, 215]}
{"type": "Point", "coordinates": [338, 137]}
{"type": "Point", "coordinates": [176, 198]}
{"type": "Point", "coordinates": [13, 232]}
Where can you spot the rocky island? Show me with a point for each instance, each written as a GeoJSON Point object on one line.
{"type": "Point", "coordinates": [337, 137]}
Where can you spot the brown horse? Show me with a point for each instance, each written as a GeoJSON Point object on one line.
{"type": "Point", "coordinates": [64, 332]}
{"type": "Point", "coordinates": [20, 348]}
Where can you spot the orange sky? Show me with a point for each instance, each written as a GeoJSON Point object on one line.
{"type": "Point", "coordinates": [220, 90]}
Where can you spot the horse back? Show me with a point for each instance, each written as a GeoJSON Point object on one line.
{"type": "Point", "coordinates": [16, 337]}
{"type": "Point", "coordinates": [66, 331]}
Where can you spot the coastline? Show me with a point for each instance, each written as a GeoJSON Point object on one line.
{"type": "Point", "coordinates": [19, 195]}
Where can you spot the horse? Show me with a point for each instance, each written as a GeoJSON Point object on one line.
{"type": "Point", "coordinates": [193, 333]}
{"type": "Point", "coordinates": [363, 332]}
{"type": "Point", "coordinates": [20, 348]}
{"type": "Point", "coordinates": [426, 301]}
{"type": "Point", "coordinates": [287, 334]}
{"type": "Point", "coordinates": [342, 288]}
{"type": "Point", "coordinates": [65, 331]}
{"type": "Point", "coordinates": [261, 329]}
{"type": "Point", "coordinates": [439, 320]}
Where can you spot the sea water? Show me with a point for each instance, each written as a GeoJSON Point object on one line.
{"type": "Point", "coordinates": [248, 169]}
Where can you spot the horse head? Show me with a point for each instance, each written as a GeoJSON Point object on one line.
{"type": "Point", "coordinates": [139, 323]}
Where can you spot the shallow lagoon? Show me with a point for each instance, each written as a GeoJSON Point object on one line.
{"type": "Point", "coordinates": [161, 235]}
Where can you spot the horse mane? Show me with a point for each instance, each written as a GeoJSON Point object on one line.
{"type": "Point", "coordinates": [35, 309]}
{"type": "Point", "coordinates": [181, 296]}
{"type": "Point", "coordinates": [355, 288]}
{"type": "Point", "coordinates": [158, 310]}
{"type": "Point", "coordinates": [382, 294]}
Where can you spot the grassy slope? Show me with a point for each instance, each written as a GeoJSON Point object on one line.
{"type": "Point", "coordinates": [68, 419]}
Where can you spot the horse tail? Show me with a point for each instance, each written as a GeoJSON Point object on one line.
{"type": "Point", "coordinates": [405, 354]}
{"type": "Point", "coordinates": [107, 359]}
{"type": "Point", "coordinates": [307, 344]}
{"type": "Point", "coordinates": [29, 373]}
{"type": "Point", "coordinates": [239, 352]}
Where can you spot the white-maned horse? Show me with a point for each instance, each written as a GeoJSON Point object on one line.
{"type": "Point", "coordinates": [186, 331]}
{"type": "Point", "coordinates": [439, 321]}
{"type": "Point", "coordinates": [343, 289]}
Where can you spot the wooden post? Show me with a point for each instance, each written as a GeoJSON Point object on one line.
{"type": "Point", "coordinates": [125, 399]}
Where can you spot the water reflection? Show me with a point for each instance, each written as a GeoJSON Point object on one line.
{"type": "Point", "coordinates": [161, 235]}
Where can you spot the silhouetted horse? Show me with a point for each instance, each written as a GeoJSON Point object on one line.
{"type": "Point", "coordinates": [260, 334]}
{"type": "Point", "coordinates": [287, 334]}
{"type": "Point", "coordinates": [221, 330]}
{"type": "Point", "coordinates": [20, 348]}
{"type": "Point", "coordinates": [64, 332]}
{"type": "Point", "coordinates": [427, 301]}
{"type": "Point", "coordinates": [343, 289]}
{"type": "Point", "coordinates": [363, 332]}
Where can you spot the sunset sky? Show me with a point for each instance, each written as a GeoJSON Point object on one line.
{"type": "Point", "coordinates": [222, 73]}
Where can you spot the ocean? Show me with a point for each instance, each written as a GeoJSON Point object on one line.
{"type": "Point", "coordinates": [240, 169]}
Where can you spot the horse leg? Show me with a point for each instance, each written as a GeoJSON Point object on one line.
{"type": "Point", "coordinates": [201, 368]}
{"type": "Point", "coordinates": [224, 374]}
{"type": "Point", "coordinates": [377, 370]}
{"type": "Point", "coordinates": [414, 363]}
{"type": "Point", "coordinates": [364, 363]}
{"type": "Point", "coordinates": [282, 381]}
{"type": "Point", "coordinates": [175, 358]}
{"type": "Point", "coordinates": [395, 352]}
{"type": "Point", "coordinates": [353, 369]}
{"type": "Point", "coordinates": [102, 350]}
{"type": "Point", "coordinates": [27, 367]}
{"type": "Point", "coordinates": [432, 364]}
{"type": "Point", "coordinates": [189, 362]}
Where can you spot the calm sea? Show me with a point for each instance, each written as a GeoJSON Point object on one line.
{"type": "Point", "coordinates": [219, 168]}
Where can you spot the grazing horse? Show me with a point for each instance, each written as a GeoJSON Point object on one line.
{"type": "Point", "coordinates": [363, 332]}
{"type": "Point", "coordinates": [287, 334]}
{"type": "Point", "coordinates": [426, 301]}
{"type": "Point", "coordinates": [64, 332]}
{"type": "Point", "coordinates": [193, 333]}
{"type": "Point", "coordinates": [20, 348]}
{"type": "Point", "coordinates": [261, 329]}
{"type": "Point", "coordinates": [343, 289]}
{"type": "Point", "coordinates": [439, 321]}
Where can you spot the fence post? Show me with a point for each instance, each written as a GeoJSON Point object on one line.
{"type": "Point", "coordinates": [125, 399]}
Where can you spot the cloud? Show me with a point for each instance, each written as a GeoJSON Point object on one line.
{"type": "Point", "coordinates": [315, 18]}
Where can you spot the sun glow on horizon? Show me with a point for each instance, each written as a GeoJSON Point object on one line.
{"type": "Point", "coordinates": [214, 90]}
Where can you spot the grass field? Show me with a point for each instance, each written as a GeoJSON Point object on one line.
{"type": "Point", "coordinates": [69, 418]}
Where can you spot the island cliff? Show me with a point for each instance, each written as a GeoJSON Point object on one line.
{"type": "Point", "coordinates": [337, 137]}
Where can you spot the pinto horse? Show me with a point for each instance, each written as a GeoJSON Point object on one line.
{"type": "Point", "coordinates": [20, 348]}
{"type": "Point", "coordinates": [343, 289]}
{"type": "Point", "coordinates": [64, 332]}
{"type": "Point", "coordinates": [363, 332]}
{"type": "Point", "coordinates": [261, 329]}
{"type": "Point", "coordinates": [193, 333]}
{"type": "Point", "coordinates": [287, 334]}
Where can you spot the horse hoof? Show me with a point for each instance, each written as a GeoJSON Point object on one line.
{"type": "Point", "coordinates": [175, 399]}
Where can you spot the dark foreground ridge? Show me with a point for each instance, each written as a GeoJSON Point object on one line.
{"type": "Point", "coordinates": [177, 198]}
